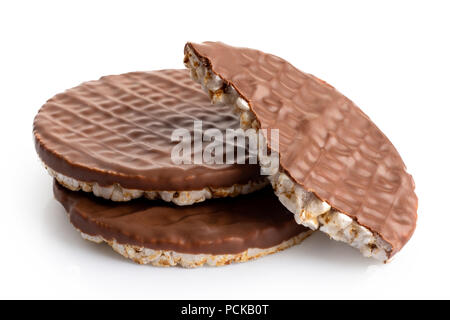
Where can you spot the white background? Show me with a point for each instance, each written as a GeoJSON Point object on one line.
{"type": "Point", "coordinates": [391, 58]}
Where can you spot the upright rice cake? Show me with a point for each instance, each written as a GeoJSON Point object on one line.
{"type": "Point", "coordinates": [338, 172]}
{"type": "Point", "coordinates": [216, 232]}
{"type": "Point", "coordinates": [113, 137]}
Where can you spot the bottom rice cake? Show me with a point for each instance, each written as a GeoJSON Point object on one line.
{"type": "Point", "coordinates": [216, 232]}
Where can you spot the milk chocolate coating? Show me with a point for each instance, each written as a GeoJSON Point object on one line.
{"type": "Point", "coordinates": [118, 130]}
{"type": "Point", "coordinates": [327, 144]}
{"type": "Point", "coordinates": [219, 226]}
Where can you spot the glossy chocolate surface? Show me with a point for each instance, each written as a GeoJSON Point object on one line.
{"type": "Point", "coordinates": [118, 130]}
{"type": "Point", "coordinates": [327, 144]}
